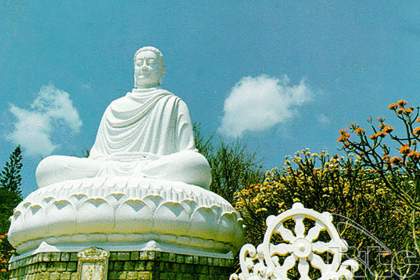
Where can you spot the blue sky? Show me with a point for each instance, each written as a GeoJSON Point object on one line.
{"type": "Point", "coordinates": [349, 58]}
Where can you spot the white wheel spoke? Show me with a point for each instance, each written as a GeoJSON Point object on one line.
{"type": "Point", "coordinates": [285, 233]}
{"type": "Point", "coordinates": [299, 226]}
{"type": "Point", "coordinates": [280, 249]}
{"type": "Point", "coordinates": [322, 247]}
{"type": "Point", "coordinates": [303, 268]}
{"type": "Point", "coordinates": [317, 262]}
{"type": "Point", "coordinates": [289, 263]}
{"type": "Point", "coordinates": [314, 232]}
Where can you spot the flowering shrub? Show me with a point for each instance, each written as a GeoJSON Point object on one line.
{"type": "Point", "coordinates": [319, 181]}
{"type": "Point", "coordinates": [394, 157]}
{"type": "Point", "coordinates": [356, 195]}
{"type": "Point", "coordinates": [368, 215]}
{"type": "Point", "coordinates": [373, 191]}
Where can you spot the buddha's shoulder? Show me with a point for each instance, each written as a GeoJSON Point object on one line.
{"type": "Point", "coordinates": [169, 93]}
{"type": "Point", "coordinates": [130, 97]}
{"type": "Point", "coordinates": [118, 101]}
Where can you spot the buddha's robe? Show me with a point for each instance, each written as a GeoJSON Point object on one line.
{"type": "Point", "coordinates": [146, 133]}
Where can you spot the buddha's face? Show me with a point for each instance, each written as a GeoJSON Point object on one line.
{"type": "Point", "coordinates": [147, 70]}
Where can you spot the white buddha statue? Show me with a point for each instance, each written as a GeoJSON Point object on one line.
{"type": "Point", "coordinates": [144, 185]}
{"type": "Point", "coordinates": [146, 133]}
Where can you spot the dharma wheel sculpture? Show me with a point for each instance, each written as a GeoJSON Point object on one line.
{"type": "Point", "coordinates": [272, 260]}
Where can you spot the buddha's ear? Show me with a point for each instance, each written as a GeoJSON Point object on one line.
{"type": "Point", "coordinates": [162, 68]}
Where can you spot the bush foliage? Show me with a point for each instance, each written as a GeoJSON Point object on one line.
{"type": "Point", "coordinates": [366, 213]}
{"type": "Point", "coordinates": [232, 166]}
{"type": "Point", "coordinates": [372, 190]}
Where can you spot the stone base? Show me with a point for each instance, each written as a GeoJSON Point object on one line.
{"type": "Point", "coordinates": [124, 265]}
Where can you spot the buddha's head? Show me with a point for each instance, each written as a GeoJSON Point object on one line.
{"type": "Point", "coordinates": [148, 67]}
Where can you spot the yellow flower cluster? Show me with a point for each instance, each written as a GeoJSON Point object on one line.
{"type": "Point", "coordinates": [385, 130]}
{"type": "Point", "coordinates": [344, 136]}
{"type": "Point", "coordinates": [405, 150]}
{"type": "Point", "coordinates": [400, 108]}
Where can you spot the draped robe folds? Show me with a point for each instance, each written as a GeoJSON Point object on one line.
{"type": "Point", "coordinates": [144, 123]}
{"type": "Point", "coordinates": [146, 133]}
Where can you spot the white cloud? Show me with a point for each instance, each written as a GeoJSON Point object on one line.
{"type": "Point", "coordinates": [259, 103]}
{"type": "Point", "coordinates": [86, 86]}
{"type": "Point", "coordinates": [51, 110]}
{"type": "Point", "coordinates": [324, 119]}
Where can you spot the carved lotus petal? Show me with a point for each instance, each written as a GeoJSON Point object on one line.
{"type": "Point", "coordinates": [95, 215]}
{"type": "Point", "coordinates": [204, 222]}
{"type": "Point", "coordinates": [172, 217]}
{"type": "Point", "coordinates": [134, 216]}
{"type": "Point", "coordinates": [35, 214]}
{"type": "Point", "coordinates": [61, 217]}
{"type": "Point", "coordinates": [226, 223]}
{"type": "Point", "coordinates": [153, 201]}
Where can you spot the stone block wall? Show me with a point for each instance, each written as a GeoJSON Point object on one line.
{"type": "Point", "coordinates": [147, 265]}
{"type": "Point", "coordinates": [45, 266]}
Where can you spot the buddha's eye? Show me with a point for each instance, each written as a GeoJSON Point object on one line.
{"type": "Point", "coordinates": [139, 62]}
{"type": "Point", "coordinates": [151, 61]}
